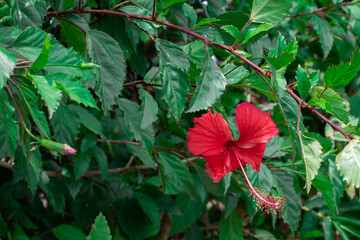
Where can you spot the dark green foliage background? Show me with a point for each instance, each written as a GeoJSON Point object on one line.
{"type": "Point", "coordinates": [121, 82]}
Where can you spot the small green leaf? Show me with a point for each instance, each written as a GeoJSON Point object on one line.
{"type": "Point", "coordinates": [337, 182]}
{"type": "Point", "coordinates": [310, 152]}
{"type": "Point", "coordinates": [74, 88]}
{"type": "Point", "coordinates": [101, 230]}
{"type": "Point", "coordinates": [68, 232]}
{"type": "Point", "coordinates": [106, 52]}
{"type": "Point", "coordinates": [81, 163]}
{"type": "Point", "coordinates": [48, 91]}
{"type": "Point", "coordinates": [72, 35]}
{"type": "Point", "coordinates": [253, 32]}
{"type": "Point", "coordinates": [233, 31]}
{"type": "Point", "coordinates": [190, 12]}
{"type": "Point", "coordinates": [341, 75]}
{"type": "Point", "coordinates": [27, 13]}
{"type": "Point", "coordinates": [8, 123]}
{"type": "Point", "coordinates": [210, 85]}
{"type": "Point", "coordinates": [269, 11]}
{"type": "Point", "coordinates": [149, 206]}
{"type": "Point", "coordinates": [148, 108]}
{"type": "Point", "coordinates": [7, 64]}
{"type": "Point", "coordinates": [234, 74]}
{"type": "Point", "coordinates": [41, 61]}
{"type": "Point", "coordinates": [327, 229]}
{"type": "Point", "coordinates": [323, 28]}
{"type": "Point", "coordinates": [101, 160]}
{"type": "Point", "coordinates": [32, 103]}
{"type": "Point", "coordinates": [231, 227]}
{"type": "Point", "coordinates": [177, 173]}
{"type": "Point", "coordinates": [304, 82]}
{"type": "Point", "coordinates": [142, 155]}
{"type": "Point", "coordinates": [30, 43]}
{"type": "Point", "coordinates": [322, 184]}
{"type": "Point", "coordinates": [348, 162]}
{"type": "Point", "coordinates": [261, 180]}
{"type": "Point", "coordinates": [172, 55]}
{"type": "Point", "coordinates": [90, 121]}
{"type": "Point", "coordinates": [66, 124]}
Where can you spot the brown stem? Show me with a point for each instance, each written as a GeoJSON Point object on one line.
{"type": "Point", "coordinates": [319, 10]}
{"type": "Point", "coordinates": [323, 92]}
{"type": "Point", "coordinates": [153, 16]}
{"type": "Point", "coordinates": [24, 62]}
{"type": "Point", "coordinates": [311, 108]}
{"type": "Point", "coordinates": [70, 22]}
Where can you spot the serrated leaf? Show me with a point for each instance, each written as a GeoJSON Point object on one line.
{"type": "Point", "coordinates": [281, 61]}
{"type": "Point", "coordinates": [81, 163]}
{"type": "Point", "coordinates": [28, 13]}
{"type": "Point", "coordinates": [142, 155]}
{"type": "Point", "coordinates": [323, 28]}
{"type": "Point", "coordinates": [292, 207]}
{"type": "Point", "coordinates": [72, 35]}
{"type": "Point", "coordinates": [190, 12]}
{"type": "Point", "coordinates": [147, 26]}
{"type": "Point", "coordinates": [32, 103]}
{"type": "Point", "coordinates": [149, 207]}
{"type": "Point", "coordinates": [68, 232]}
{"type": "Point", "coordinates": [132, 120]}
{"type": "Point", "coordinates": [234, 74]}
{"type": "Point", "coordinates": [74, 88]}
{"type": "Point", "coordinates": [304, 82]}
{"type": "Point", "coordinates": [101, 230]}
{"type": "Point", "coordinates": [148, 108]}
{"type": "Point", "coordinates": [172, 55]}
{"type": "Point", "coordinates": [66, 124]}
{"type": "Point", "coordinates": [101, 160]}
{"type": "Point", "coordinates": [41, 61]}
{"type": "Point", "coordinates": [310, 152]}
{"type": "Point", "coordinates": [177, 173]}
{"type": "Point", "coordinates": [253, 32]}
{"type": "Point", "coordinates": [90, 121]}
{"type": "Point", "coordinates": [261, 180]}
{"type": "Point", "coordinates": [231, 227]}
{"type": "Point", "coordinates": [348, 162]}
{"type": "Point", "coordinates": [7, 64]}
{"type": "Point", "coordinates": [8, 123]}
{"type": "Point", "coordinates": [196, 51]}
{"type": "Point", "coordinates": [210, 85]}
{"type": "Point", "coordinates": [233, 31]}
{"type": "Point", "coordinates": [332, 103]}
{"type": "Point", "coordinates": [30, 43]}
{"type": "Point", "coordinates": [341, 75]}
{"type": "Point", "coordinates": [273, 147]}
{"type": "Point", "coordinates": [48, 91]}
{"type": "Point", "coordinates": [106, 52]}
{"type": "Point", "coordinates": [8, 35]}
{"type": "Point", "coordinates": [269, 11]}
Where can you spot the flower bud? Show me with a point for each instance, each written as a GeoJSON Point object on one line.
{"type": "Point", "coordinates": [88, 66]}
{"type": "Point", "coordinates": [58, 147]}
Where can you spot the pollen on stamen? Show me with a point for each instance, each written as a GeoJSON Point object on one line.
{"type": "Point", "coordinates": [268, 202]}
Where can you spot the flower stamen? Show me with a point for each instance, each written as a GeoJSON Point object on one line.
{"type": "Point", "coordinates": [264, 200]}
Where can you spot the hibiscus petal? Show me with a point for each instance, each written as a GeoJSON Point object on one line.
{"type": "Point", "coordinates": [219, 165]}
{"type": "Point", "coordinates": [210, 135]}
{"type": "Point", "coordinates": [251, 155]}
{"type": "Point", "coordinates": [254, 125]}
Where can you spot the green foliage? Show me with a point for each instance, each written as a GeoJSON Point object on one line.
{"type": "Point", "coordinates": [121, 82]}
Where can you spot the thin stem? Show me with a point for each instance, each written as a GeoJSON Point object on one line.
{"type": "Point", "coordinates": [323, 92]}
{"type": "Point", "coordinates": [70, 22]}
{"type": "Point", "coordinates": [24, 62]}
{"type": "Point", "coordinates": [263, 78]}
{"type": "Point", "coordinates": [26, 66]}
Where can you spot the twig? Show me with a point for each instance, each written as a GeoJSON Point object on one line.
{"type": "Point", "coordinates": [320, 9]}
{"type": "Point", "coordinates": [153, 16]}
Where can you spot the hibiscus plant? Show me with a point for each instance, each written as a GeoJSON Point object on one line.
{"type": "Point", "coordinates": [179, 119]}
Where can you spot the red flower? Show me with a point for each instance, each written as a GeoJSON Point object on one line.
{"type": "Point", "coordinates": [212, 139]}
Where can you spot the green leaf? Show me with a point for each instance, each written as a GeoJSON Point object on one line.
{"type": "Point", "coordinates": [106, 52]}
{"type": "Point", "coordinates": [336, 181]}
{"type": "Point", "coordinates": [132, 120]}
{"type": "Point", "coordinates": [32, 103]}
{"type": "Point", "coordinates": [149, 206]}
{"type": "Point", "coordinates": [233, 31]}
{"type": "Point", "coordinates": [74, 88]}
{"type": "Point", "coordinates": [219, 188]}
{"type": "Point", "coordinates": [101, 160]}
{"type": "Point", "coordinates": [196, 51]}
{"type": "Point", "coordinates": [273, 147]}
{"type": "Point", "coordinates": [147, 26]}
{"type": "Point", "coordinates": [90, 121]}
{"type": "Point", "coordinates": [142, 155]}
{"type": "Point", "coordinates": [231, 227]}
{"type": "Point", "coordinates": [322, 184]}
{"type": "Point", "coordinates": [269, 11]}
{"type": "Point", "coordinates": [66, 124]}
{"type": "Point", "coordinates": [327, 229]}
{"type": "Point", "coordinates": [310, 152]}
{"type": "Point", "coordinates": [8, 36]}
{"type": "Point", "coordinates": [323, 28]}
{"type": "Point", "coordinates": [101, 230]}
{"type": "Point", "coordinates": [304, 82]}
{"type": "Point", "coordinates": [48, 91]}
{"type": "Point", "coordinates": [281, 61]}
{"type": "Point", "coordinates": [190, 12]}
{"type": "Point", "coordinates": [210, 85]}
{"type": "Point", "coordinates": [28, 13]}
{"type": "Point", "coordinates": [41, 61]}
{"type": "Point", "coordinates": [177, 173]}
{"type": "Point", "coordinates": [169, 3]}
{"type": "Point", "coordinates": [30, 43]}
{"type": "Point", "coordinates": [234, 74]}
{"type": "Point", "coordinates": [348, 162]}
{"type": "Point", "coordinates": [332, 103]}
{"type": "Point", "coordinates": [261, 180]}
{"type": "Point", "coordinates": [8, 123]}
{"type": "Point", "coordinates": [341, 75]}
{"type": "Point", "coordinates": [28, 166]}
{"type": "Point", "coordinates": [253, 32]}
{"type": "Point", "coordinates": [148, 108]}
{"type": "Point", "coordinates": [172, 55]}
{"type": "Point", "coordinates": [7, 64]}
{"type": "Point", "coordinates": [72, 35]}
{"type": "Point", "coordinates": [342, 233]}
{"type": "Point", "coordinates": [81, 163]}
{"type": "Point", "coordinates": [68, 232]}
{"type": "Point", "coordinates": [205, 21]}
{"type": "Point", "coordinates": [292, 207]}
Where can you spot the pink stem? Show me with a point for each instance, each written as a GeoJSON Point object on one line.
{"type": "Point", "coordinates": [277, 204]}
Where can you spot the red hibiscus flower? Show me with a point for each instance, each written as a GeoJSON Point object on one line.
{"type": "Point", "coordinates": [212, 139]}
